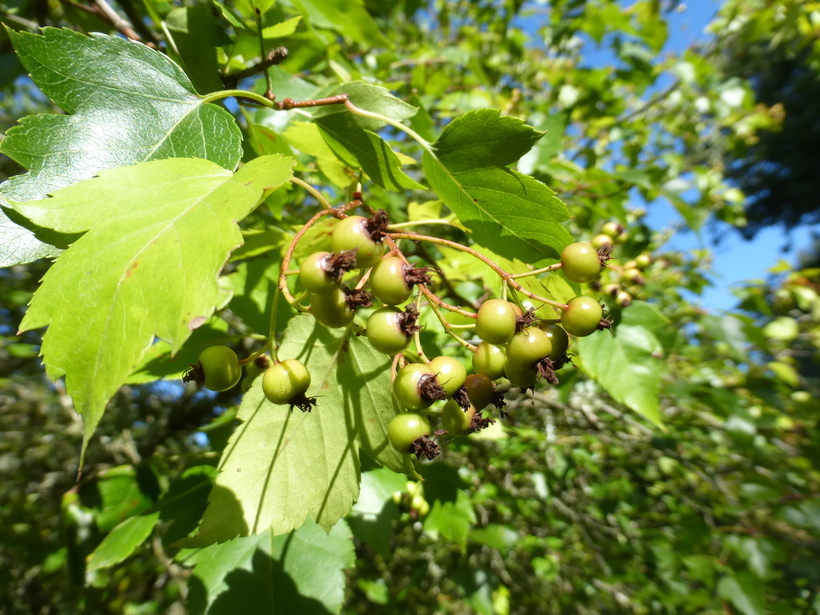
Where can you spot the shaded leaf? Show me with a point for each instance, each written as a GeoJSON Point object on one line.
{"type": "Point", "coordinates": [300, 572]}
{"type": "Point", "coordinates": [275, 448]}
{"type": "Point", "coordinates": [743, 591]}
{"type": "Point", "coordinates": [122, 541]}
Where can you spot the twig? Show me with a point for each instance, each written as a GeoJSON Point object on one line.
{"type": "Point", "coordinates": [111, 16]}
{"type": "Point", "coordinates": [275, 57]}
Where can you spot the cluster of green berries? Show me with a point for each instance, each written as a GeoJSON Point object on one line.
{"type": "Point", "coordinates": [625, 282]}
{"type": "Point", "coordinates": [514, 344]}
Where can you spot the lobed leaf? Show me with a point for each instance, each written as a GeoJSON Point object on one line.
{"type": "Point", "coordinates": [126, 103]}
{"type": "Point", "coordinates": [158, 234]}
{"type": "Point", "coordinates": [484, 138]}
{"type": "Point", "coordinates": [275, 449]}
{"type": "Point", "coordinates": [507, 212]}
{"type": "Point", "coordinates": [300, 572]}
{"type": "Point", "coordinates": [627, 363]}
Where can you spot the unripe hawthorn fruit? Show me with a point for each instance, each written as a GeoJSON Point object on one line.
{"type": "Point", "coordinates": [456, 420]}
{"type": "Point", "coordinates": [450, 373]}
{"type": "Point", "coordinates": [612, 229]}
{"type": "Point", "coordinates": [559, 340]}
{"type": "Point", "coordinates": [315, 276]}
{"type": "Point", "coordinates": [523, 377]}
{"type": "Point", "coordinates": [643, 260]}
{"type": "Point", "coordinates": [352, 234]}
{"type": "Point", "coordinates": [489, 359]}
{"type": "Point", "coordinates": [219, 368]}
{"type": "Point", "coordinates": [283, 381]}
{"type": "Point", "coordinates": [496, 321]}
{"type": "Point", "coordinates": [582, 316]}
{"type": "Point", "coordinates": [479, 390]}
{"type": "Point", "coordinates": [331, 309]}
{"type": "Point", "coordinates": [633, 275]}
{"type": "Point", "coordinates": [407, 386]}
{"type": "Point", "coordinates": [528, 347]}
{"type": "Point", "coordinates": [624, 299]}
{"type": "Point", "coordinates": [388, 283]}
{"type": "Point", "coordinates": [405, 428]}
{"type": "Point", "coordinates": [580, 262]}
{"type": "Point", "coordinates": [384, 331]}
{"type": "Point", "coordinates": [602, 241]}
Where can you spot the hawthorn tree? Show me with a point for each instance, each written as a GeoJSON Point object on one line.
{"type": "Point", "coordinates": [208, 217]}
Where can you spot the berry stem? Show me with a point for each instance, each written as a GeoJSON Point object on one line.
{"type": "Point", "coordinates": [413, 223]}
{"type": "Point", "coordinates": [251, 358]}
{"type": "Point", "coordinates": [417, 334]}
{"type": "Point", "coordinates": [253, 96]}
{"type": "Point", "coordinates": [448, 328]}
{"type": "Point", "coordinates": [507, 277]}
{"type": "Point", "coordinates": [315, 193]}
{"type": "Point", "coordinates": [272, 328]}
{"type": "Point", "coordinates": [262, 54]}
{"type": "Point", "coordinates": [283, 284]}
{"type": "Point", "coordinates": [547, 269]}
{"type": "Point", "coordinates": [430, 295]}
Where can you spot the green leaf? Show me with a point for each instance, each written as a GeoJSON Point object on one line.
{"type": "Point", "coordinates": [369, 97]}
{"type": "Point", "coordinates": [279, 30]}
{"type": "Point", "coordinates": [484, 138]}
{"type": "Point", "coordinates": [301, 572]}
{"type": "Point", "coordinates": [184, 503]}
{"type": "Point", "coordinates": [196, 34]}
{"type": "Point", "coordinates": [307, 138]}
{"type": "Point", "coordinates": [627, 363]}
{"type": "Point", "coordinates": [119, 493]}
{"type": "Point", "coordinates": [139, 273]}
{"type": "Point", "coordinates": [365, 149]}
{"type": "Point", "coordinates": [275, 448]}
{"type": "Point", "coordinates": [347, 17]}
{"type": "Point", "coordinates": [508, 213]}
{"type": "Point", "coordinates": [742, 589]}
{"type": "Point", "coordinates": [373, 514]}
{"type": "Point", "coordinates": [125, 103]}
{"type": "Point", "coordinates": [122, 541]}
{"type": "Point", "coordinates": [452, 520]}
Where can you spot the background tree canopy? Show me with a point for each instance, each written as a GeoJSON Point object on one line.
{"type": "Point", "coordinates": [673, 469]}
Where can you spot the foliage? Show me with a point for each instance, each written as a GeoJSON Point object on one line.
{"type": "Point", "coordinates": [774, 47]}
{"type": "Point", "coordinates": [674, 466]}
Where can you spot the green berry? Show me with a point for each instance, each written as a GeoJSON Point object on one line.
{"type": "Point", "coordinates": [388, 283]}
{"type": "Point", "coordinates": [580, 262]}
{"type": "Point", "coordinates": [489, 359]}
{"type": "Point", "coordinates": [479, 390]}
{"type": "Point", "coordinates": [352, 234]}
{"type": "Point", "coordinates": [456, 420]}
{"type": "Point", "coordinates": [283, 381]}
{"type": "Point", "coordinates": [315, 276]}
{"type": "Point", "coordinates": [405, 429]}
{"type": "Point", "coordinates": [582, 316]}
{"type": "Point", "coordinates": [331, 309]}
{"type": "Point", "coordinates": [219, 367]}
{"type": "Point", "coordinates": [384, 331]}
{"type": "Point", "coordinates": [528, 347]}
{"type": "Point", "coordinates": [450, 373]}
{"type": "Point", "coordinates": [496, 321]}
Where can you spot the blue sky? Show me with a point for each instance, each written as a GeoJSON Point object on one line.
{"type": "Point", "coordinates": [735, 259]}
